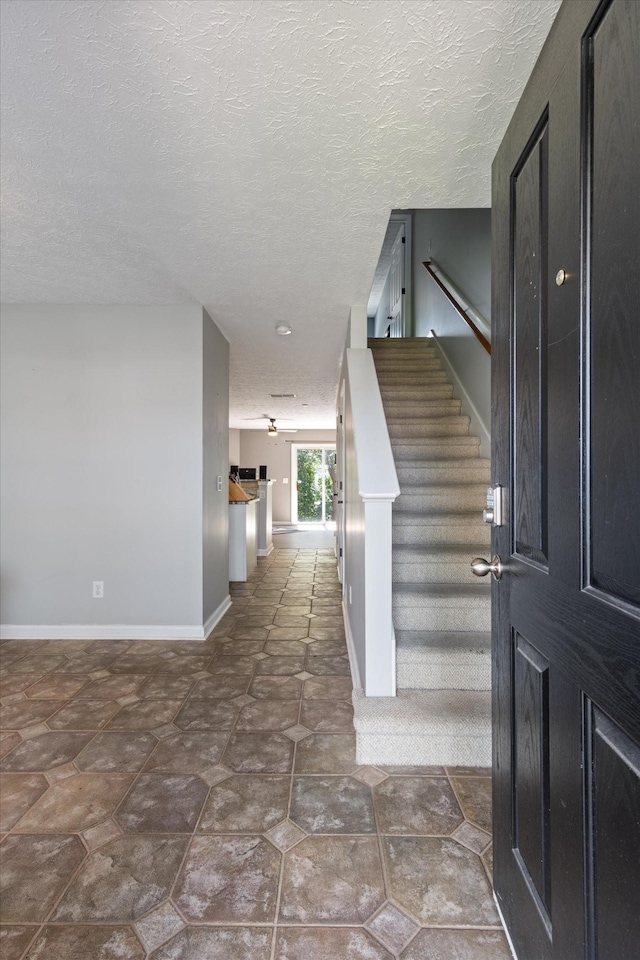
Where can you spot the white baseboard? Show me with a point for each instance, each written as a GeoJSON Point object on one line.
{"type": "Point", "coordinates": [216, 616]}
{"type": "Point", "coordinates": [113, 631]}
{"type": "Point", "coordinates": [351, 650]}
{"type": "Point", "coordinates": [265, 553]}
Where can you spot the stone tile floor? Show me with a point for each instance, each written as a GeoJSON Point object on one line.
{"type": "Point", "coordinates": [195, 801]}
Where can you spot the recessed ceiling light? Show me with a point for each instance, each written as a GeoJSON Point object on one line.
{"type": "Point", "coordinates": [283, 330]}
{"type": "Point", "coordinates": [283, 396]}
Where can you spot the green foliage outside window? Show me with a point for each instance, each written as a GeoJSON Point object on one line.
{"type": "Point", "coordinates": [312, 473]}
{"type": "Point", "coordinates": [309, 495]}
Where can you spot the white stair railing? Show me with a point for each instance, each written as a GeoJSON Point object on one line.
{"type": "Point", "coordinates": [371, 487]}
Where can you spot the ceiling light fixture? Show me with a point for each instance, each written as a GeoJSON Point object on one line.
{"type": "Point", "coordinates": [283, 330]}
{"type": "Point", "coordinates": [272, 430]}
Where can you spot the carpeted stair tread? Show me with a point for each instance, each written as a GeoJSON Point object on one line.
{"type": "Point", "coordinates": [424, 727]}
{"type": "Point", "coordinates": [443, 660]}
{"type": "Point", "coordinates": [464, 517]}
{"type": "Point", "coordinates": [440, 498]}
{"type": "Point", "coordinates": [414, 595]}
{"type": "Point", "coordinates": [412, 645]}
{"type": "Point", "coordinates": [435, 448]}
{"type": "Point", "coordinates": [443, 553]}
{"type": "Point", "coordinates": [409, 410]}
{"type": "Point", "coordinates": [415, 392]}
{"type": "Point", "coordinates": [447, 426]}
{"type": "Point", "coordinates": [468, 470]}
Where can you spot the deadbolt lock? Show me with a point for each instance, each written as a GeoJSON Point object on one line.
{"type": "Point", "coordinates": [494, 510]}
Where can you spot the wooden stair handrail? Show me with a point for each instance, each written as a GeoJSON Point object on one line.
{"type": "Point", "coordinates": [457, 306]}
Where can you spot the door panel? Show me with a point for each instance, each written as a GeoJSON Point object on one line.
{"type": "Point", "coordinates": [566, 449]}
{"type": "Point", "coordinates": [529, 229]}
{"type": "Point", "coordinates": [613, 784]}
{"type": "Point", "coordinates": [612, 84]}
{"type": "Point", "coordinates": [531, 771]}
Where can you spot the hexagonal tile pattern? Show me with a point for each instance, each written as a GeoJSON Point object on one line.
{"type": "Point", "coordinates": [159, 803]}
{"type": "Point", "coordinates": [332, 880]}
{"type": "Point", "coordinates": [229, 880]}
{"type": "Point", "coordinates": [439, 882]}
{"type": "Point", "coordinates": [75, 804]}
{"type": "Point", "coordinates": [332, 805]}
{"type": "Point", "coordinates": [246, 804]}
{"type": "Point", "coordinates": [123, 880]}
{"type": "Point", "coordinates": [80, 941]}
{"type": "Point", "coordinates": [417, 805]}
{"type": "Point", "coordinates": [218, 943]}
{"type": "Point", "coordinates": [35, 871]}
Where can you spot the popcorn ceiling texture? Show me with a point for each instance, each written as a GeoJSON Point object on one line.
{"type": "Point", "coordinates": [246, 155]}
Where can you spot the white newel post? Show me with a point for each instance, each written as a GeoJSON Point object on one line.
{"type": "Point", "coordinates": [380, 670]}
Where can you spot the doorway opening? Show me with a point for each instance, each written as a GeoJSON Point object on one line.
{"type": "Point", "coordinates": [313, 492]}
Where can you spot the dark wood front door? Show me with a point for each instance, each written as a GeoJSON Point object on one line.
{"type": "Point", "coordinates": [566, 401]}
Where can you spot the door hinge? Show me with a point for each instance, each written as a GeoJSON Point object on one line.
{"type": "Point", "coordinates": [403, 290]}
{"type": "Point", "coordinates": [340, 418]}
{"type": "Point", "coordinates": [403, 239]}
{"type": "Point", "coordinates": [340, 551]}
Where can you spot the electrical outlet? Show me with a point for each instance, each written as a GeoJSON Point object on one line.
{"type": "Point", "coordinates": [98, 589]}
{"type": "Point", "coordinates": [219, 484]}
{"type": "Point", "coordinates": [285, 479]}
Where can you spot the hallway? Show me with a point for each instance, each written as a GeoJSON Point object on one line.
{"type": "Point", "coordinates": [183, 801]}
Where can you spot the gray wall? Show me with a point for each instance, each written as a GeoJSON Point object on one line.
{"type": "Point", "coordinates": [215, 463]}
{"type": "Point", "coordinates": [256, 448]}
{"type": "Point", "coordinates": [459, 241]}
{"type": "Point", "coordinates": [102, 464]}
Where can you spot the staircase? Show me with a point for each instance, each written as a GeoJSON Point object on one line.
{"type": "Point", "coordinates": [442, 614]}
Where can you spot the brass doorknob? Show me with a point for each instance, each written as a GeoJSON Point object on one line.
{"type": "Point", "coordinates": [481, 567]}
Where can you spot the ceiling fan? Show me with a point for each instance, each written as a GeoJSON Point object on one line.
{"type": "Point", "coordinates": [272, 430]}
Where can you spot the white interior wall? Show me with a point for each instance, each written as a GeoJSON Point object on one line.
{"type": "Point", "coordinates": [215, 450]}
{"type": "Point", "coordinates": [102, 468]}
{"type": "Point", "coordinates": [257, 448]}
{"type": "Point", "coordinates": [234, 447]}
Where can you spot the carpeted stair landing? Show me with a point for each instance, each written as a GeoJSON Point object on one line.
{"type": "Point", "coordinates": [441, 612]}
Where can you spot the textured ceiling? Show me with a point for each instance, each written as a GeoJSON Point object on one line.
{"type": "Point", "coordinates": [246, 155]}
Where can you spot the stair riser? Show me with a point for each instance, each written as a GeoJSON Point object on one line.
{"type": "Point", "coordinates": [395, 393]}
{"type": "Point", "coordinates": [428, 408]}
{"type": "Point", "coordinates": [414, 379]}
{"type": "Point", "coordinates": [425, 368]}
{"type": "Point", "coordinates": [423, 535]}
{"type": "Point", "coordinates": [432, 675]}
{"type": "Point", "coordinates": [401, 349]}
{"type": "Point", "coordinates": [435, 427]}
{"type": "Point", "coordinates": [434, 572]}
{"type": "Point", "coordinates": [450, 500]}
{"type": "Point", "coordinates": [418, 476]}
{"type": "Point", "coordinates": [469, 617]}
{"type": "Point", "coordinates": [435, 451]}
{"type": "Point", "coordinates": [412, 359]}
{"type": "Point", "coordinates": [423, 748]}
